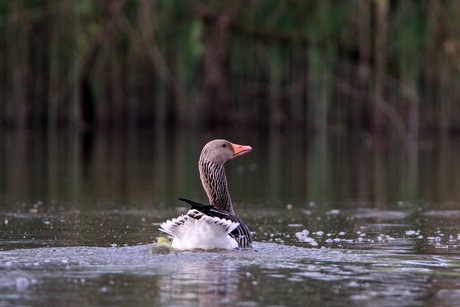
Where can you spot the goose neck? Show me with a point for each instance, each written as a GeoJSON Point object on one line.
{"type": "Point", "coordinates": [215, 184]}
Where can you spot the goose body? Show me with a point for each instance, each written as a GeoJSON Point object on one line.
{"type": "Point", "coordinates": [214, 225]}
{"type": "Point", "coordinates": [198, 230]}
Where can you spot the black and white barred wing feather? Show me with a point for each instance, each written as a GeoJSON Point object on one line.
{"type": "Point", "coordinates": [195, 229]}
{"type": "Point", "coordinates": [241, 234]}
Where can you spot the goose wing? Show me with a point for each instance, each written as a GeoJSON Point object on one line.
{"type": "Point", "coordinates": [241, 234]}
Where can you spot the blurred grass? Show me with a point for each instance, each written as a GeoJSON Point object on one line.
{"type": "Point", "coordinates": [381, 66]}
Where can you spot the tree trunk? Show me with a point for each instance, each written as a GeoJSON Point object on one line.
{"type": "Point", "coordinates": [380, 54]}
{"type": "Point", "coordinates": [214, 97]}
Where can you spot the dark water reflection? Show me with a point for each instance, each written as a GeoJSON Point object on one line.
{"type": "Point", "coordinates": [338, 219]}
{"type": "Point", "coordinates": [145, 168]}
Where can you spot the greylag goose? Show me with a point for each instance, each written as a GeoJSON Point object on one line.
{"type": "Point", "coordinates": [214, 225]}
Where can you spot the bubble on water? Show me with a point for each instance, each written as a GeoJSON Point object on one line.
{"type": "Point", "coordinates": [303, 237]}
{"type": "Point", "coordinates": [304, 233]}
{"type": "Point", "coordinates": [104, 289]}
{"type": "Point", "coordinates": [360, 297]}
{"type": "Point", "coordinates": [293, 279]}
{"type": "Point", "coordinates": [22, 283]}
{"type": "Point", "coordinates": [353, 284]}
{"type": "Point", "coordinates": [384, 238]}
{"type": "Point", "coordinates": [313, 242]}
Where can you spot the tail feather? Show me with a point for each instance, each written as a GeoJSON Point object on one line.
{"type": "Point", "coordinates": [241, 233]}
{"type": "Point", "coordinates": [173, 227]}
{"type": "Point", "coordinates": [200, 207]}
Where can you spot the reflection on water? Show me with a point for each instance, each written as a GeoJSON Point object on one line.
{"type": "Point", "coordinates": [337, 220]}
{"type": "Point", "coordinates": [208, 283]}
{"type": "Point", "coordinates": [145, 168]}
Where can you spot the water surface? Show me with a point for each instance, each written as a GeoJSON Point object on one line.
{"type": "Point", "coordinates": [337, 220]}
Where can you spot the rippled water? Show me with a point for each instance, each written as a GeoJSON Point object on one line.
{"type": "Point", "coordinates": [76, 227]}
{"type": "Point", "coordinates": [359, 257]}
{"type": "Point", "coordinates": [270, 274]}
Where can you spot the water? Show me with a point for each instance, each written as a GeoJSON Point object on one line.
{"type": "Point", "coordinates": [271, 274]}
{"type": "Point", "coordinates": [337, 221]}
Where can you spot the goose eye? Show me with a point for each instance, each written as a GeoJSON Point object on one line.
{"type": "Point", "coordinates": [224, 145]}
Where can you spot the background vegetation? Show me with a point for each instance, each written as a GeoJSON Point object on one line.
{"type": "Point", "coordinates": [378, 65]}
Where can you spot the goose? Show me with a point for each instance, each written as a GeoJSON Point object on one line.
{"type": "Point", "coordinates": [213, 226]}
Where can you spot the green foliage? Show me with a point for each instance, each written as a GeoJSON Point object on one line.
{"type": "Point", "coordinates": [263, 61]}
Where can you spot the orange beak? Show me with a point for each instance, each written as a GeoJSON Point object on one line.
{"type": "Point", "coordinates": [239, 150]}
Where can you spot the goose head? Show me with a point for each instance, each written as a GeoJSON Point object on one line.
{"type": "Point", "coordinates": [212, 173]}
{"type": "Point", "coordinates": [222, 151]}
